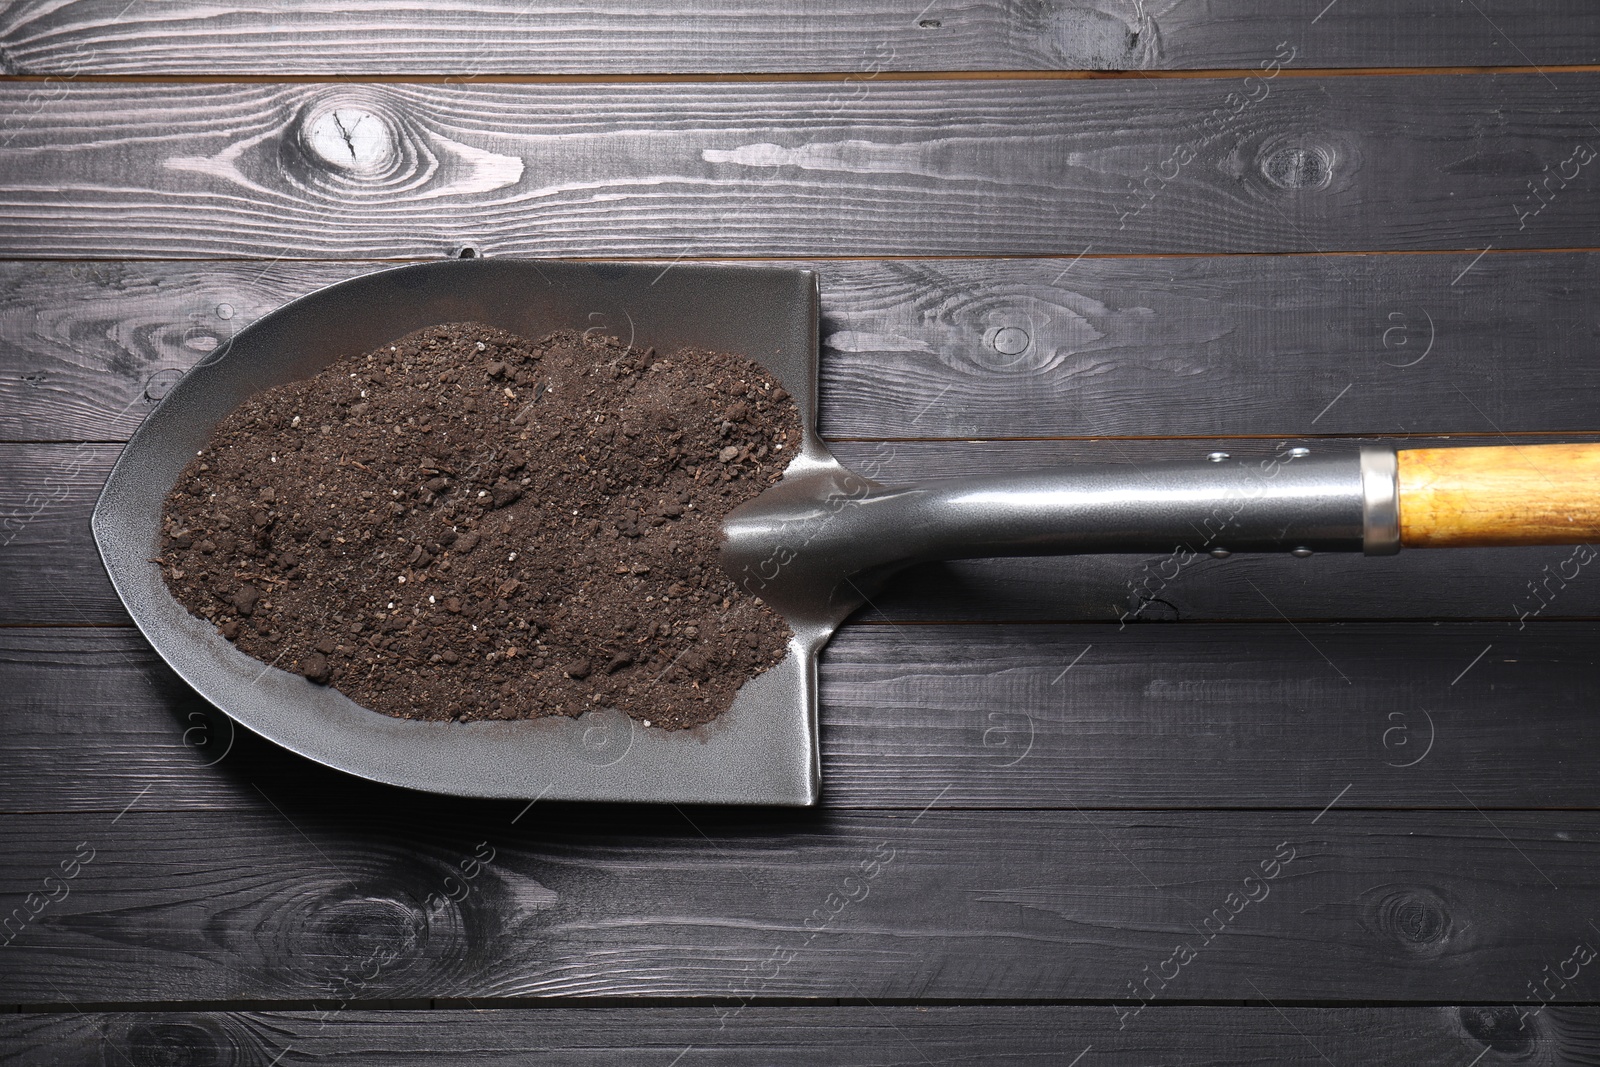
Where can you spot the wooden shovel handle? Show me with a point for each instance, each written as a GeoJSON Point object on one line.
{"type": "Point", "coordinates": [1499, 495]}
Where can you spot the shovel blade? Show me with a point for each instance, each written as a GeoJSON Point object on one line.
{"type": "Point", "coordinates": [763, 750]}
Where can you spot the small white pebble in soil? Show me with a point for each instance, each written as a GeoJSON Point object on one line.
{"type": "Point", "coordinates": [363, 392]}
{"type": "Point", "coordinates": [511, 557]}
{"type": "Point", "coordinates": [431, 600]}
{"type": "Point", "coordinates": [391, 603]}
{"type": "Point", "coordinates": [272, 459]}
{"type": "Point", "coordinates": [485, 492]}
{"type": "Point", "coordinates": [401, 579]}
{"type": "Point", "coordinates": [295, 421]}
{"type": "Point", "coordinates": [474, 626]}
{"type": "Point", "coordinates": [482, 346]}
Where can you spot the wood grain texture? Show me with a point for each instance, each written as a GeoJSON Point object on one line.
{"type": "Point", "coordinates": [1048, 167]}
{"type": "Point", "coordinates": [855, 1035]}
{"type": "Point", "coordinates": [1441, 715]}
{"type": "Point", "coordinates": [82, 37]}
{"type": "Point", "coordinates": [1379, 756]}
{"type": "Point", "coordinates": [1211, 346]}
{"type": "Point", "coordinates": [299, 902]}
{"type": "Point", "coordinates": [91, 347]}
{"type": "Point", "coordinates": [50, 567]}
{"type": "Point", "coordinates": [1500, 495]}
{"type": "Point", "coordinates": [1161, 347]}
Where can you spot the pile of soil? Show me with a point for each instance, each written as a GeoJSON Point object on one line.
{"type": "Point", "coordinates": [469, 525]}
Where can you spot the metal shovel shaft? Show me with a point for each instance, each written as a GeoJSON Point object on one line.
{"type": "Point", "coordinates": [817, 547]}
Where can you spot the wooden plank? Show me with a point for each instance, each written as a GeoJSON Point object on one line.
{"type": "Point", "coordinates": [1211, 346]}
{"type": "Point", "coordinates": [1235, 716]}
{"type": "Point", "coordinates": [91, 347]}
{"type": "Point", "coordinates": [854, 1035]}
{"type": "Point", "coordinates": [1435, 715]}
{"type": "Point", "coordinates": [95, 713]}
{"type": "Point", "coordinates": [310, 903]}
{"type": "Point", "coordinates": [1160, 347]}
{"type": "Point", "coordinates": [49, 563]}
{"type": "Point", "coordinates": [83, 37]}
{"type": "Point", "coordinates": [1035, 167]}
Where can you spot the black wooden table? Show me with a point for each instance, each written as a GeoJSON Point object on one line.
{"type": "Point", "coordinates": [1078, 811]}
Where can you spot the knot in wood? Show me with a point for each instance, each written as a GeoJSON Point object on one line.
{"type": "Point", "coordinates": [1093, 39]}
{"type": "Point", "coordinates": [160, 382]}
{"type": "Point", "coordinates": [376, 928]}
{"type": "Point", "coordinates": [1008, 340]}
{"type": "Point", "coordinates": [355, 141]}
{"type": "Point", "coordinates": [1414, 918]}
{"type": "Point", "coordinates": [1026, 331]}
{"type": "Point", "coordinates": [1503, 1029]}
{"type": "Point", "coordinates": [1298, 167]}
{"type": "Point", "coordinates": [196, 1041]}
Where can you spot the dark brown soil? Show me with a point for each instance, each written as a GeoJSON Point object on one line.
{"type": "Point", "coordinates": [470, 525]}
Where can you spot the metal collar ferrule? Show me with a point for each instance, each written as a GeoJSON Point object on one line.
{"type": "Point", "coordinates": [1380, 501]}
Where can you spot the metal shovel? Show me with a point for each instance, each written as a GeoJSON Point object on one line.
{"type": "Point", "coordinates": [815, 546]}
